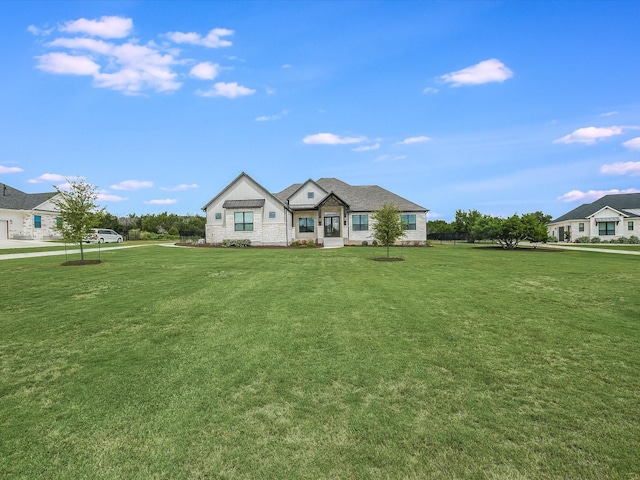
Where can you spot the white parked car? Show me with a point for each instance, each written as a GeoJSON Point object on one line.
{"type": "Point", "coordinates": [103, 235]}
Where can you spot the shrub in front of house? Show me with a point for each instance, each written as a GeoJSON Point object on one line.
{"type": "Point", "coordinates": [583, 240]}
{"type": "Point", "coordinates": [303, 244]}
{"type": "Point", "coordinates": [365, 243]}
{"type": "Point", "coordinates": [634, 239]}
{"type": "Point", "coordinates": [235, 242]}
{"type": "Point", "coordinates": [552, 238]}
{"type": "Point", "coordinates": [595, 240]}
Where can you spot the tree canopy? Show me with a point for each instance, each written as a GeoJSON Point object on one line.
{"type": "Point", "coordinates": [464, 223]}
{"type": "Point", "coordinates": [78, 210]}
{"type": "Point", "coordinates": [509, 232]}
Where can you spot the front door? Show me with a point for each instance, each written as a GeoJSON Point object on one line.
{"type": "Point", "coordinates": [331, 226]}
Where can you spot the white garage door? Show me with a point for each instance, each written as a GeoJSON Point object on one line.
{"type": "Point", "coordinates": [4, 229]}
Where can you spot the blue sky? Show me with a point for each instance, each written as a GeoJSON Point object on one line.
{"type": "Point", "coordinates": [502, 107]}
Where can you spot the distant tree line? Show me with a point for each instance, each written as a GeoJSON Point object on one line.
{"type": "Point", "coordinates": [162, 223]}
{"type": "Point", "coordinates": [472, 225]}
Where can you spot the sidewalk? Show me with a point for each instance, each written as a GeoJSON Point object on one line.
{"type": "Point", "coordinates": [62, 251]}
{"type": "Point", "coordinates": [588, 249]}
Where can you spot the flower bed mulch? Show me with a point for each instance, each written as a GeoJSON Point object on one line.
{"type": "Point", "coordinates": [75, 263]}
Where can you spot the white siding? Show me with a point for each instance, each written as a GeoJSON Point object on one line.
{"type": "Point", "coordinates": [591, 228]}
{"type": "Point", "coordinates": [301, 196]}
{"type": "Point", "coordinates": [266, 230]}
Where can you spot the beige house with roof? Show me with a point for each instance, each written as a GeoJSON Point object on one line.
{"type": "Point", "coordinates": [327, 211]}
{"type": "Point", "coordinates": [27, 216]}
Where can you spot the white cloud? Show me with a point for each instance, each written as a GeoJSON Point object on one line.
{"type": "Point", "coordinates": [106, 27]}
{"type": "Point", "coordinates": [633, 144]}
{"type": "Point", "coordinates": [267, 118]}
{"type": "Point", "coordinates": [621, 168]}
{"type": "Point", "coordinates": [10, 169]}
{"type": "Point", "coordinates": [205, 71]}
{"type": "Point", "coordinates": [390, 158]}
{"type": "Point", "coordinates": [331, 139]}
{"type": "Point", "coordinates": [608, 114]}
{"type": "Point", "coordinates": [128, 67]}
{"type": "Point", "coordinates": [180, 188]}
{"type": "Point", "coordinates": [90, 44]}
{"type": "Point", "coordinates": [411, 140]}
{"type": "Point", "coordinates": [48, 178]}
{"type": "Point", "coordinates": [39, 31]}
{"type": "Point", "coordinates": [142, 66]}
{"type": "Point", "coordinates": [132, 185]}
{"type": "Point", "coordinates": [590, 135]}
{"type": "Point", "coordinates": [229, 90]}
{"type": "Point", "coordinates": [366, 148]}
{"type": "Point", "coordinates": [62, 63]}
{"type": "Point", "coordinates": [107, 197]}
{"type": "Point", "coordinates": [430, 90]}
{"type": "Point", "coordinates": [212, 40]}
{"type": "Point", "coordinates": [162, 201]}
{"type": "Point", "coordinates": [488, 71]}
{"type": "Point", "coordinates": [271, 118]}
{"type": "Point", "coordinates": [591, 195]}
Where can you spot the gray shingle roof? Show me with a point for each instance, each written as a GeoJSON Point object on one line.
{"type": "Point", "coordinates": [14, 199]}
{"type": "Point", "coordinates": [359, 198]}
{"type": "Point", "coordinates": [625, 203]}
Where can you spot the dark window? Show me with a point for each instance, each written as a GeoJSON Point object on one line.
{"type": "Point", "coordinates": [630, 226]}
{"type": "Point", "coordinates": [360, 222]}
{"type": "Point", "coordinates": [309, 194]}
{"type": "Point", "coordinates": [243, 221]}
{"type": "Point", "coordinates": [581, 227]}
{"type": "Point", "coordinates": [37, 221]}
{"type": "Point", "coordinates": [59, 222]}
{"type": "Point", "coordinates": [607, 228]}
{"type": "Point", "coordinates": [218, 216]}
{"type": "Point", "coordinates": [272, 214]}
{"type": "Point", "coordinates": [409, 222]}
{"type": "Point", "coordinates": [305, 225]}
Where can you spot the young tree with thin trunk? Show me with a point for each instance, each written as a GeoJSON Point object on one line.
{"type": "Point", "coordinates": [78, 210]}
{"type": "Point", "coordinates": [388, 226]}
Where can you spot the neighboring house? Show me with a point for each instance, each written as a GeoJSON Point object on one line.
{"type": "Point", "coordinates": [327, 211]}
{"type": "Point", "coordinates": [608, 218]}
{"type": "Point", "coordinates": [27, 216]}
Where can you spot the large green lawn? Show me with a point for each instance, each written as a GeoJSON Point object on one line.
{"type": "Point", "coordinates": [459, 362]}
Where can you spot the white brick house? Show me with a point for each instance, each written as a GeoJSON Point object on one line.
{"type": "Point", "coordinates": [327, 211]}
{"type": "Point", "coordinates": [608, 218]}
{"type": "Point", "coordinates": [27, 216]}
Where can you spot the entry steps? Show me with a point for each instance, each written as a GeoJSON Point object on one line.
{"type": "Point", "coordinates": [331, 242]}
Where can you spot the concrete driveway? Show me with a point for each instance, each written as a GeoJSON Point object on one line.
{"type": "Point", "coordinates": [27, 244]}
